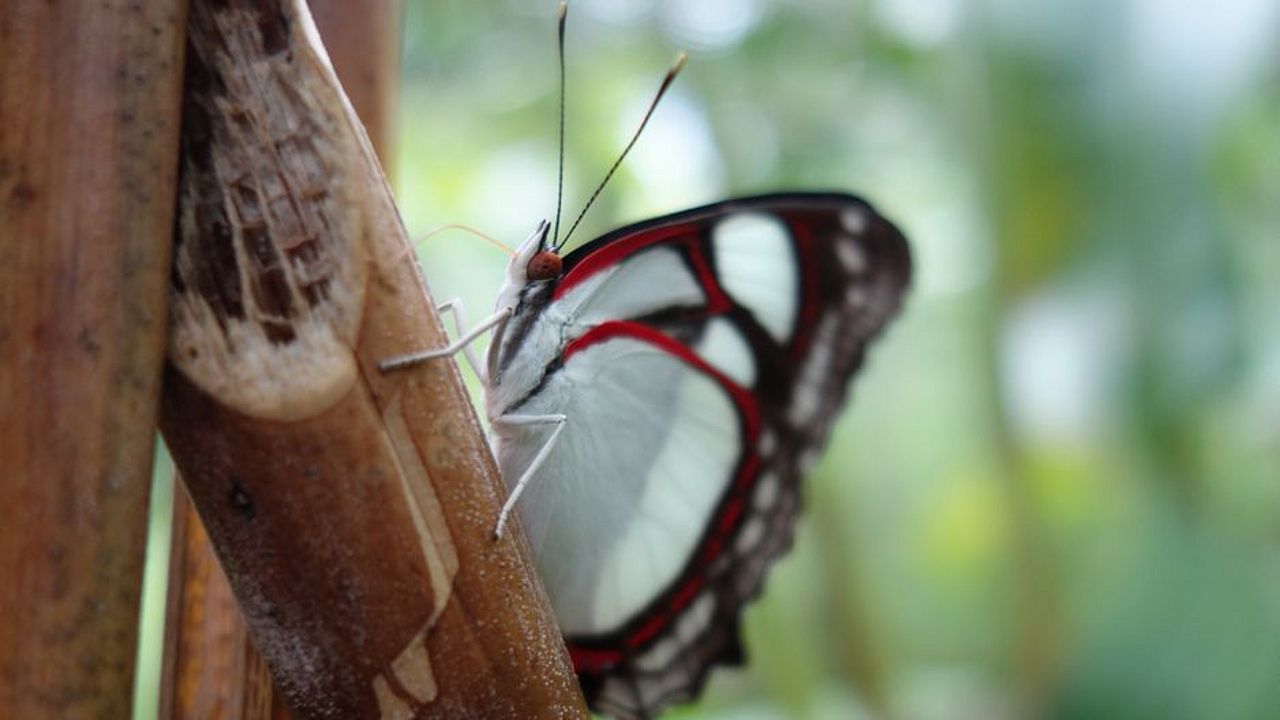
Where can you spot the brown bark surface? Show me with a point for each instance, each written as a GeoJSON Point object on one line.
{"type": "Point", "coordinates": [351, 510]}
{"type": "Point", "coordinates": [213, 669]}
{"type": "Point", "coordinates": [89, 98]}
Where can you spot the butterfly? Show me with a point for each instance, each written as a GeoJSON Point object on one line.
{"type": "Point", "coordinates": [655, 397]}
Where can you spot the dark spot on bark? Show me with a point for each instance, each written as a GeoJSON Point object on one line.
{"type": "Point", "coordinates": [197, 138]}
{"type": "Point", "coordinates": [202, 80]}
{"type": "Point", "coordinates": [221, 232]}
{"type": "Point", "coordinates": [22, 195]}
{"type": "Point", "coordinates": [279, 333]}
{"type": "Point", "coordinates": [316, 292]}
{"type": "Point", "coordinates": [245, 197]}
{"type": "Point", "coordinates": [217, 276]}
{"type": "Point", "coordinates": [260, 249]}
{"type": "Point", "coordinates": [240, 500]}
{"type": "Point", "coordinates": [274, 292]}
{"type": "Point", "coordinates": [240, 118]}
{"type": "Point", "coordinates": [175, 277]}
{"type": "Point", "coordinates": [274, 29]}
{"type": "Point", "coordinates": [88, 343]}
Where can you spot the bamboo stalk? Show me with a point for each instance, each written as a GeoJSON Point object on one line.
{"type": "Point", "coordinates": [212, 667]}
{"type": "Point", "coordinates": [351, 510]}
{"type": "Point", "coordinates": [89, 98]}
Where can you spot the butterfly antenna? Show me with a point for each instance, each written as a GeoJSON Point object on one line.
{"type": "Point", "coordinates": [416, 245]}
{"type": "Point", "coordinates": [676, 67]}
{"type": "Point", "coordinates": [562, 11]}
{"type": "Point", "coordinates": [465, 228]}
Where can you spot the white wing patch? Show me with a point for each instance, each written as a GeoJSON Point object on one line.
{"type": "Point", "coordinates": [724, 348]}
{"type": "Point", "coordinates": [757, 266]}
{"type": "Point", "coordinates": [653, 279]}
{"type": "Point", "coordinates": [620, 504]}
{"type": "Point", "coordinates": [683, 487]}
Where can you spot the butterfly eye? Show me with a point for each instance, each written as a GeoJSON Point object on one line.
{"type": "Point", "coordinates": [544, 266]}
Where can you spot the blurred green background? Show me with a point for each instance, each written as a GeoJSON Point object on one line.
{"type": "Point", "coordinates": [1056, 492]}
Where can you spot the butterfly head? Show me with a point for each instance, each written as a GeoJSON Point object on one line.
{"type": "Point", "coordinates": [535, 259]}
{"type": "Point", "coordinates": [545, 265]}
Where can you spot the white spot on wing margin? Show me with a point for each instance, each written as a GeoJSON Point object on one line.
{"type": "Point", "coordinates": [696, 618]}
{"type": "Point", "coordinates": [854, 220]}
{"type": "Point", "coordinates": [766, 490]}
{"type": "Point", "coordinates": [814, 369]}
{"type": "Point", "coordinates": [750, 535]}
{"type": "Point", "coordinates": [660, 655]}
{"type": "Point", "coordinates": [768, 443]}
{"type": "Point", "coordinates": [851, 257]}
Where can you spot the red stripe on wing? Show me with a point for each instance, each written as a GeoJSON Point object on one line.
{"type": "Point", "coordinates": [717, 300]}
{"type": "Point", "coordinates": [615, 251]}
{"type": "Point", "coordinates": [645, 333]}
{"type": "Point", "coordinates": [593, 660]}
{"type": "Point", "coordinates": [684, 234]}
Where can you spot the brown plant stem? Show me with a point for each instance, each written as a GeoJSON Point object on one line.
{"type": "Point", "coordinates": [212, 667]}
{"type": "Point", "coordinates": [351, 510]}
{"type": "Point", "coordinates": [89, 97]}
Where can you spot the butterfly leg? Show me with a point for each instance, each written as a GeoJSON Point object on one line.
{"type": "Point", "coordinates": [399, 361]}
{"type": "Point", "coordinates": [517, 420]}
{"type": "Point", "coordinates": [458, 313]}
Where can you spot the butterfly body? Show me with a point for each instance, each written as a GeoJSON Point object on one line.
{"type": "Point", "coordinates": [663, 390]}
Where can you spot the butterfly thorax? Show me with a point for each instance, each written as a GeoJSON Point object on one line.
{"type": "Point", "coordinates": [521, 350]}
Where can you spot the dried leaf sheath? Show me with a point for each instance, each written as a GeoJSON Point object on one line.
{"type": "Point", "coordinates": [350, 510]}
{"type": "Point", "coordinates": [270, 264]}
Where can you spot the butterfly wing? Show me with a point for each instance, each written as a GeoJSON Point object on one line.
{"type": "Point", "coordinates": [701, 359]}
